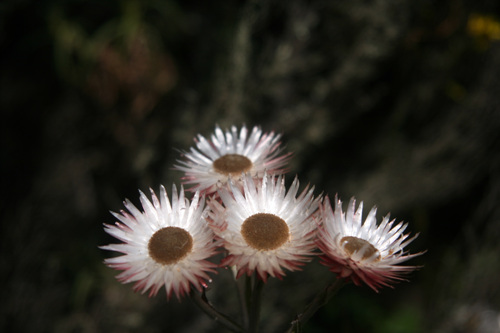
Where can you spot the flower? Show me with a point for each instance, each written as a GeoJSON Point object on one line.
{"type": "Point", "coordinates": [230, 154]}
{"type": "Point", "coordinates": [263, 228]}
{"type": "Point", "coordinates": [166, 245]}
{"type": "Point", "coordinates": [363, 251]}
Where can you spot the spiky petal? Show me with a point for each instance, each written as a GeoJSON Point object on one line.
{"type": "Point", "coordinates": [363, 251]}
{"type": "Point", "coordinates": [136, 229]}
{"type": "Point", "coordinates": [265, 198]}
{"type": "Point", "coordinates": [262, 150]}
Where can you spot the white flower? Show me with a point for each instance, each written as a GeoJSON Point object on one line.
{"type": "Point", "coordinates": [265, 229]}
{"type": "Point", "coordinates": [228, 155]}
{"type": "Point", "coordinates": [166, 245]}
{"type": "Point", "coordinates": [363, 251]}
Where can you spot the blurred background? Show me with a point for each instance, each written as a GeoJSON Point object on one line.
{"type": "Point", "coordinates": [393, 102]}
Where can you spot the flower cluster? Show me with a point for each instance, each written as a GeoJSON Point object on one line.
{"type": "Point", "coordinates": [241, 205]}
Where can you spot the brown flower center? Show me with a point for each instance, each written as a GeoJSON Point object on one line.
{"type": "Point", "coordinates": [169, 245]}
{"type": "Point", "coordinates": [232, 164]}
{"type": "Point", "coordinates": [357, 245]}
{"type": "Point", "coordinates": [265, 231]}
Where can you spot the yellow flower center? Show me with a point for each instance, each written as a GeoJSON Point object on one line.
{"type": "Point", "coordinates": [169, 245]}
{"type": "Point", "coordinates": [357, 245]}
{"type": "Point", "coordinates": [232, 164]}
{"type": "Point", "coordinates": [265, 231]}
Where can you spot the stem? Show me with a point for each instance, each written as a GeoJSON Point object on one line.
{"type": "Point", "coordinates": [241, 285]}
{"type": "Point", "coordinates": [202, 302]}
{"type": "Point", "coordinates": [321, 299]}
{"type": "Point", "coordinates": [254, 311]}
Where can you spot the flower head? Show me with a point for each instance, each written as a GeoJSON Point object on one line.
{"type": "Point", "coordinates": [166, 245]}
{"type": "Point", "coordinates": [264, 228]}
{"type": "Point", "coordinates": [229, 154]}
{"type": "Point", "coordinates": [363, 251]}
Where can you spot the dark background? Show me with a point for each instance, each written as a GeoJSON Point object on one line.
{"type": "Point", "coordinates": [394, 102]}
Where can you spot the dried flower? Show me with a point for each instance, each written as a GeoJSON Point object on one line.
{"type": "Point", "coordinates": [166, 245]}
{"type": "Point", "coordinates": [363, 252]}
{"type": "Point", "coordinates": [230, 154]}
{"type": "Point", "coordinates": [263, 227]}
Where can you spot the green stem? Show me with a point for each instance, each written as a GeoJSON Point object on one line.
{"type": "Point", "coordinates": [321, 299]}
{"type": "Point", "coordinates": [202, 302]}
{"type": "Point", "coordinates": [254, 309]}
{"type": "Point", "coordinates": [241, 285]}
